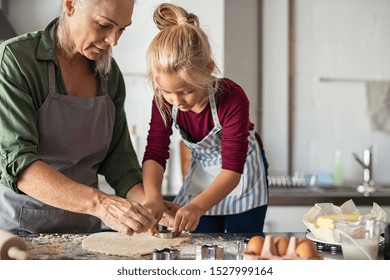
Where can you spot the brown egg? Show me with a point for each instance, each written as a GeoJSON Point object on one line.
{"type": "Point", "coordinates": [255, 245]}
{"type": "Point", "coordinates": [304, 239]}
{"type": "Point", "coordinates": [305, 249]}
{"type": "Point", "coordinates": [281, 243]}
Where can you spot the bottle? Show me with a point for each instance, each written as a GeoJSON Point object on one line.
{"type": "Point", "coordinates": [338, 170]}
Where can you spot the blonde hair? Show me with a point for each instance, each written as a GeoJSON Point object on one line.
{"type": "Point", "coordinates": [180, 47]}
{"type": "Point", "coordinates": [103, 64]}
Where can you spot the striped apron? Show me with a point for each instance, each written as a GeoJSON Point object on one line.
{"type": "Point", "coordinates": [206, 164]}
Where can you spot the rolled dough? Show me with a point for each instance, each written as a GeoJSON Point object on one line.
{"type": "Point", "coordinates": [118, 244]}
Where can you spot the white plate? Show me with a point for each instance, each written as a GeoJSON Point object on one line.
{"type": "Point", "coordinates": [311, 236]}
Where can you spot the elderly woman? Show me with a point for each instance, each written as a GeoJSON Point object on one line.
{"type": "Point", "coordinates": [62, 122]}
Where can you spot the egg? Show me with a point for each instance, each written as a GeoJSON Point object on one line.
{"type": "Point", "coordinates": [281, 244]}
{"type": "Point", "coordinates": [306, 248]}
{"type": "Point", "coordinates": [255, 245]}
{"type": "Point", "coordinates": [304, 239]}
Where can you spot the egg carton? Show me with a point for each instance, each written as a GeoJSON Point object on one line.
{"type": "Point", "coordinates": [270, 252]}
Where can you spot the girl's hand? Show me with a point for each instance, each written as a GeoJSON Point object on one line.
{"type": "Point", "coordinates": [169, 213]}
{"type": "Point", "coordinates": [187, 218]}
{"type": "Point", "coordinates": [156, 208]}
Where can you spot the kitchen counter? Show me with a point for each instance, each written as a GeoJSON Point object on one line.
{"type": "Point", "coordinates": [68, 247]}
{"type": "Point", "coordinates": [308, 196]}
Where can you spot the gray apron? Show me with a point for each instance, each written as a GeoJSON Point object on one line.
{"type": "Point", "coordinates": [74, 136]}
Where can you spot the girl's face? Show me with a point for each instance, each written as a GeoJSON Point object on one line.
{"type": "Point", "coordinates": [176, 92]}
{"type": "Point", "coordinates": [96, 28]}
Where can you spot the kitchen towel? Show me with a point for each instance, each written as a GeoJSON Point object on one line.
{"type": "Point", "coordinates": [378, 105]}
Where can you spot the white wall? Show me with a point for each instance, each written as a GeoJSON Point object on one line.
{"type": "Point", "coordinates": [275, 83]}
{"type": "Point", "coordinates": [341, 39]}
{"type": "Point", "coordinates": [241, 49]}
{"type": "Point", "coordinates": [27, 15]}
{"type": "Point", "coordinates": [347, 39]}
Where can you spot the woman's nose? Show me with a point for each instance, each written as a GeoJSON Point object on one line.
{"type": "Point", "coordinates": [112, 38]}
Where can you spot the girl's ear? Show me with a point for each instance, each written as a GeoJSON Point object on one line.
{"type": "Point", "coordinates": [211, 66]}
{"type": "Point", "coordinates": [69, 7]}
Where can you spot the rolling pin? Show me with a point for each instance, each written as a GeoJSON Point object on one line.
{"type": "Point", "coordinates": [12, 247]}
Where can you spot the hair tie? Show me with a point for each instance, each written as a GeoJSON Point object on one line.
{"type": "Point", "coordinates": [182, 20]}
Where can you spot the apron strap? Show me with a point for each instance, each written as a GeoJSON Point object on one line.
{"type": "Point", "coordinates": [213, 105]}
{"type": "Point", "coordinates": [103, 83]}
{"type": "Point", "coordinates": [174, 115]}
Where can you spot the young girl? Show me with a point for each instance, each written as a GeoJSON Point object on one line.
{"type": "Point", "coordinates": [225, 189]}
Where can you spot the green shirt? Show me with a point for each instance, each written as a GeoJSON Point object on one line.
{"type": "Point", "coordinates": [23, 90]}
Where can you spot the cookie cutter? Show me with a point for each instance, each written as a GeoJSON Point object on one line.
{"type": "Point", "coordinates": [209, 252]}
{"type": "Point", "coordinates": [165, 233]}
{"type": "Point", "coordinates": [241, 247]}
{"type": "Point", "coordinates": [166, 254]}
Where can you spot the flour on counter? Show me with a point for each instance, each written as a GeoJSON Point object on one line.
{"type": "Point", "coordinates": [114, 243]}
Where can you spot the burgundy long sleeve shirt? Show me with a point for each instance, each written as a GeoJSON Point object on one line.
{"type": "Point", "coordinates": [233, 114]}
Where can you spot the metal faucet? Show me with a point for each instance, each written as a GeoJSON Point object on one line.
{"type": "Point", "coordinates": [366, 163]}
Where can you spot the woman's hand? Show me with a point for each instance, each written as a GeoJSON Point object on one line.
{"type": "Point", "coordinates": [125, 216]}
{"type": "Point", "coordinates": [187, 218]}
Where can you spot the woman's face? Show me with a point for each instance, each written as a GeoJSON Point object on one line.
{"type": "Point", "coordinates": [176, 92]}
{"type": "Point", "coordinates": [94, 29]}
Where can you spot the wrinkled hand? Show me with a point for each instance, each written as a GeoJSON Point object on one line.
{"type": "Point", "coordinates": [187, 218]}
{"type": "Point", "coordinates": [125, 216]}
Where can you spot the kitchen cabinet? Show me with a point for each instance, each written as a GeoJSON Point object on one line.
{"type": "Point", "coordinates": [285, 218]}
